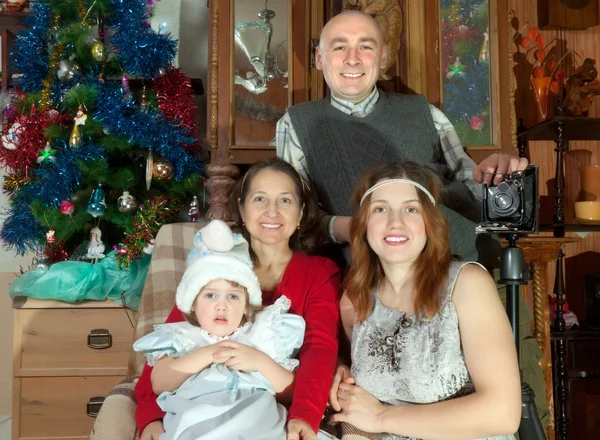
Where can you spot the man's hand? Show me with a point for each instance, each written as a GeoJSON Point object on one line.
{"type": "Point", "coordinates": [342, 375]}
{"type": "Point", "coordinates": [359, 408]}
{"type": "Point", "coordinates": [152, 430]}
{"type": "Point", "coordinates": [300, 430]}
{"type": "Point", "coordinates": [500, 164]}
{"type": "Point", "coordinates": [238, 356]}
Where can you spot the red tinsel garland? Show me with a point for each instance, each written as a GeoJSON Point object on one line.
{"type": "Point", "coordinates": [31, 138]}
{"type": "Point", "coordinates": [176, 102]}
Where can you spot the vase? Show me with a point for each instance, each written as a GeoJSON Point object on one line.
{"type": "Point", "coordinates": [540, 98]}
{"type": "Point", "coordinates": [589, 176]}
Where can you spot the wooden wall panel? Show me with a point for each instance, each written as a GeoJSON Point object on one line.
{"type": "Point", "coordinates": [579, 255]}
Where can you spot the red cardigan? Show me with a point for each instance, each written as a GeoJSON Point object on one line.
{"type": "Point", "coordinates": [313, 286]}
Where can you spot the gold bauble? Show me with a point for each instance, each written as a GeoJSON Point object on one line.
{"type": "Point", "coordinates": [75, 137]}
{"type": "Point", "coordinates": [162, 169]}
{"type": "Point", "coordinates": [99, 52]}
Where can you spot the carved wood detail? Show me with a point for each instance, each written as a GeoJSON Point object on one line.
{"type": "Point", "coordinates": [214, 75]}
{"type": "Point", "coordinates": [220, 183]}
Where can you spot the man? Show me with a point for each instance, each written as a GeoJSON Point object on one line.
{"type": "Point", "coordinates": [334, 141]}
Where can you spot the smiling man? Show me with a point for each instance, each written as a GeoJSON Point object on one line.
{"type": "Point", "coordinates": [332, 142]}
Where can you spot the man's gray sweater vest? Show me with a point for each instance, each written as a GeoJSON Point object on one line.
{"type": "Point", "coordinates": [340, 148]}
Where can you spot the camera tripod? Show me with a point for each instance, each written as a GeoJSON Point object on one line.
{"type": "Point", "coordinates": [514, 273]}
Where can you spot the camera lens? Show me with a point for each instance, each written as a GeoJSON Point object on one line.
{"type": "Point", "coordinates": [503, 201]}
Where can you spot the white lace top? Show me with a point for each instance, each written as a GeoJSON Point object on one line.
{"type": "Point", "coordinates": [409, 361]}
{"type": "Point", "coordinates": [275, 332]}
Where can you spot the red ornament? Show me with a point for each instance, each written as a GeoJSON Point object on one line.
{"type": "Point", "coordinates": [476, 123]}
{"type": "Point", "coordinates": [50, 236]}
{"type": "Point", "coordinates": [67, 207]}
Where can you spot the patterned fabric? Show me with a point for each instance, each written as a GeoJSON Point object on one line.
{"type": "Point", "coordinates": [289, 148]}
{"type": "Point", "coordinates": [403, 361]}
{"type": "Point", "coordinates": [118, 405]}
{"type": "Point", "coordinates": [173, 243]}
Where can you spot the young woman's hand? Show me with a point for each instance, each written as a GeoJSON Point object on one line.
{"type": "Point", "coordinates": [342, 375]}
{"type": "Point", "coordinates": [238, 356]}
{"type": "Point", "coordinates": [359, 408]}
{"type": "Point", "coordinates": [152, 430]}
{"type": "Point", "coordinates": [300, 430]}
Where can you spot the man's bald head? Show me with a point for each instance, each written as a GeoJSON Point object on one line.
{"type": "Point", "coordinates": [351, 54]}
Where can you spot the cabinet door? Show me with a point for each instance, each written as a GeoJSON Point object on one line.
{"type": "Point", "coordinates": [584, 398]}
{"type": "Point", "coordinates": [258, 66]}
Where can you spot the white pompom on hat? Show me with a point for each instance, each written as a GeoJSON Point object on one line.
{"type": "Point", "coordinates": [218, 254]}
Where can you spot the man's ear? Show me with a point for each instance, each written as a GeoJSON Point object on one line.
{"type": "Point", "coordinates": [384, 55]}
{"type": "Point", "coordinates": [318, 58]}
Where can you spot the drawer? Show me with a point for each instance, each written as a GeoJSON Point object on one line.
{"type": "Point", "coordinates": [62, 342]}
{"type": "Point", "coordinates": [56, 407]}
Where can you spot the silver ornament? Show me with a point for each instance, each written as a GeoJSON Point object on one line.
{"type": "Point", "coordinates": [126, 202]}
{"type": "Point", "coordinates": [67, 70]}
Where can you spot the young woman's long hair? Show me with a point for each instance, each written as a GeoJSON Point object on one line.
{"type": "Point", "coordinates": [305, 238]}
{"type": "Point", "coordinates": [430, 269]}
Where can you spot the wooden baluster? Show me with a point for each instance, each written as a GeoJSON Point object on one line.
{"type": "Point", "coordinates": [561, 353]}
{"type": "Point", "coordinates": [562, 145]}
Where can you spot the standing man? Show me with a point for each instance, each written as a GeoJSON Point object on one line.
{"type": "Point", "coordinates": [332, 142]}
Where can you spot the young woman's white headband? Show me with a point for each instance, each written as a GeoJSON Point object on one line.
{"type": "Point", "coordinates": [387, 182]}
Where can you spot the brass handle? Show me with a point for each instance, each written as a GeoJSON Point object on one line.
{"type": "Point", "coordinates": [93, 406]}
{"type": "Point", "coordinates": [99, 338]}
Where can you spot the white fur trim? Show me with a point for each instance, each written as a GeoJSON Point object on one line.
{"type": "Point", "coordinates": [217, 236]}
{"type": "Point", "coordinates": [213, 267]}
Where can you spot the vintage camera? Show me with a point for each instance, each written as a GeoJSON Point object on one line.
{"type": "Point", "coordinates": [513, 205]}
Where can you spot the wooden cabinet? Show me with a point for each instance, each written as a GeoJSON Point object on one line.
{"type": "Point", "coordinates": [66, 359]}
{"type": "Point", "coordinates": [576, 356]}
{"type": "Point", "coordinates": [11, 22]}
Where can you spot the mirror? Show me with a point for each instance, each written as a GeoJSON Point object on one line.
{"type": "Point", "coordinates": [261, 68]}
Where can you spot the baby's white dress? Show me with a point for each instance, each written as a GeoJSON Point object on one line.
{"type": "Point", "coordinates": [222, 404]}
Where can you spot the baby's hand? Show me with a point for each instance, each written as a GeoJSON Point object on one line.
{"type": "Point", "coordinates": [238, 356]}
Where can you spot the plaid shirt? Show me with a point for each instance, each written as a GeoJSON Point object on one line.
{"type": "Point", "coordinates": [461, 166]}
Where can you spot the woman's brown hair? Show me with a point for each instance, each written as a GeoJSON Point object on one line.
{"type": "Point", "coordinates": [430, 269]}
{"type": "Point", "coordinates": [305, 238]}
{"type": "Point", "coordinates": [249, 313]}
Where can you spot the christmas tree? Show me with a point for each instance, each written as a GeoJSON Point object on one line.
{"type": "Point", "coordinates": [90, 158]}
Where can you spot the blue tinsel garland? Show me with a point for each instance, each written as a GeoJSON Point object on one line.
{"type": "Point", "coordinates": [20, 230]}
{"type": "Point", "coordinates": [30, 54]}
{"type": "Point", "coordinates": [141, 51]}
{"type": "Point", "coordinates": [119, 114]}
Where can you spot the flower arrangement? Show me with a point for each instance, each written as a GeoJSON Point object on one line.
{"type": "Point", "coordinates": [544, 66]}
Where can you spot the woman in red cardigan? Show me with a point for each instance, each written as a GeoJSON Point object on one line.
{"type": "Point", "coordinates": [276, 212]}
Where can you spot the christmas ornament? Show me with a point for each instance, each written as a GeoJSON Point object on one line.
{"type": "Point", "coordinates": [99, 52]}
{"type": "Point", "coordinates": [50, 236]}
{"type": "Point", "coordinates": [462, 29]}
{"type": "Point", "coordinates": [126, 202]}
{"type": "Point", "coordinates": [476, 123]}
{"type": "Point", "coordinates": [53, 114]}
{"type": "Point", "coordinates": [162, 169]}
{"type": "Point", "coordinates": [149, 247]}
{"type": "Point", "coordinates": [143, 103]}
{"type": "Point", "coordinates": [67, 207]}
{"type": "Point", "coordinates": [484, 52]}
{"type": "Point", "coordinates": [40, 264]}
{"type": "Point", "coordinates": [46, 154]}
{"type": "Point", "coordinates": [97, 204]}
{"type": "Point", "coordinates": [125, 84]}
{"type": "Point", "coordinates": [81, 117]}
{"type": "Point", "coordinates": [95, 249]}
{"type": "Point", "coordinates": [149, 165]}
{"type": "Point", "coordinates": [67, 70]}
{"type": "Point", "coordinates": [11, 140]}
{"type": "Point", "coordinates": [75, 137]}
{"type": "Point", "coordinates": [456, 69]}
{"type": "Point", "coordinates": [15, 5]}
{"type": "Point", "coordinates": [194, 212]}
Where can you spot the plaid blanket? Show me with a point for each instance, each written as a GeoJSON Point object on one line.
{"type": "Point", "coordinates": [173, 243]}
{"type": "Point", "coordinates": [116, 419]}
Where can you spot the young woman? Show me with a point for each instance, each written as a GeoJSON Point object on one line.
{"type": "Point", "coordinates": [431, 346]}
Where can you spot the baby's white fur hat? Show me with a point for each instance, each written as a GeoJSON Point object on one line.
{"type": "Point", "coordinates": [218, 254]}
